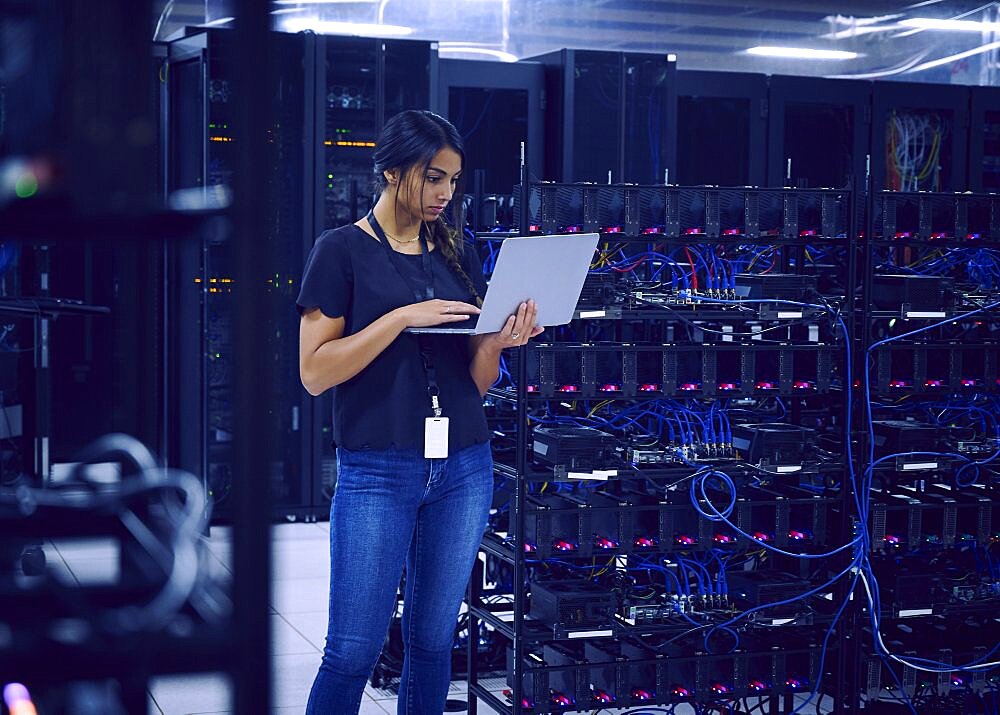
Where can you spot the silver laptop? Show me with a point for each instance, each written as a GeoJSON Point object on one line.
{"type": "Point", "coordinates": [548, 269]}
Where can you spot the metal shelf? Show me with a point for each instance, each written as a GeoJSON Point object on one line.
{"type": "Point", "coordinates": [684, 240]}
{"type": "Point", "coordinates": [519, 473]}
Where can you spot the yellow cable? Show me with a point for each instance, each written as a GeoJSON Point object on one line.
{"type": "Point", "coordinates": [932, 158]}
{"type": "Point", "coordinates": [598, 406]}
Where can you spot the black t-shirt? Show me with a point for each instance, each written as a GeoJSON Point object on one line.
{"type": "Point", "coordinates": [349, 274]}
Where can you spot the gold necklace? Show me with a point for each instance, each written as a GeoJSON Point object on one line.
{"type": "Point", "coordinates": [400, 240]}
{"type": "Point", "coordinates": [408, 240]}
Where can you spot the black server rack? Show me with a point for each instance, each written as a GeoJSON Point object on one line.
{"type": "Point", "coordinates": [709, 299]}
{"type": "Point", "coordinates": [359, 84]}
{"type": "Point", "coordinates": [926, 341]}
{"type": "Point", "coordinates": [204, 145]}
{"type": "Point", "coordinates": [495, 106]}
{"type": "Point", "coordinates": [609, 116]}
{"type": "Point", "coordinates": [99, 253]}
{"type": "Point", "coordinates": [817, 131]}
{"type": "Point", "coordinates": [919, 136]}
{"type": "Point", "coordinates": [984, 139]}
{"type": "Point", "coordinates": [650, 153]}
{"type": "Point", "coordinates": [16, 373]}
{"type": "Point", "coordinates": [362, 82]}
{"type": "Point", "coordinates": [721, 128]}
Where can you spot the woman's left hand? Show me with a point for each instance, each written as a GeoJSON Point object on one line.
{"type": "Point", "coordinates": [518, 329]}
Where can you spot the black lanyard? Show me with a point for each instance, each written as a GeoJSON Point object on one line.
{"type": "Point", "coordinates": [419, 296]}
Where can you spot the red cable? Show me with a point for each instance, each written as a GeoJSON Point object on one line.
{"type": "Point", "coordinates": [694, 273]}
{"type": "Point", "coordinates": [630, 268]}
{"type": "Point", "coordinates": [774, 261]}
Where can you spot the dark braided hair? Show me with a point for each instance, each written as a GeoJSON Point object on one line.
{"type": "Point", "coordinates": [409, 142]}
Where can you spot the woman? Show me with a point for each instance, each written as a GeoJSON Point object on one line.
{"type": "Point", "coordinates": [411, 490]}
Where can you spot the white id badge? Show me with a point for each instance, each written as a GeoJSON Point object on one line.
{"type": "Point", "coordinates": [436, 437]}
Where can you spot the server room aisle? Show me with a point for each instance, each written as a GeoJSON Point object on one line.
{"type": "Point", "coordinates": [298, 620]}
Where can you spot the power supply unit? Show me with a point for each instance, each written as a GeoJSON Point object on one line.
{"type": "Point", "coordinates": [599, 290]}
{"type": "Point", "coordinates": [902, 436]}
{"type": "Point", "coordinates": [772, 443]}
{"type": "Point", "coordinates": [756, 588]}
{"type": "Point", "coordinates": [579, 448]}
{"type": "Point", "coordinates": [909, 292]}
{"type": "Point", "coordinates": [572, 604]}
{"type": "Point", "coordinates": [777, 286]}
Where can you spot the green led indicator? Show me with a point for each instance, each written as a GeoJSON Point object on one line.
{"type": "Point", "coordinates": [329, 176]}
{"type": "Point", "coordinates": [26, 185]}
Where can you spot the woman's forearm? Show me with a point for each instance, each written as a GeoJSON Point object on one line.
{"type": "Point", "coordinates": [339, 360]}
{"type": "Point", "coordinates": [485, 366]}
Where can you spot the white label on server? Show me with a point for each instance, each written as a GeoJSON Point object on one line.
{"type": "Point", "coordinates": [589, 634]}
{"type": "Point", "coordinates": [913, 466]}
{"type": "Point", "coordinates": [588, 475]}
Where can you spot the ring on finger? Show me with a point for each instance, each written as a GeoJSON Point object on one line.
{"type": "Point", "coordinates": [515, 336]}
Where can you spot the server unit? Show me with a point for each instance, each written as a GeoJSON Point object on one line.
{"type": "Point", "coordinates": [201, 361]}
{"type": "Point", "coordinates": [609, 116]}
{"type": "Point", "coordinates": [803, 109]}
{"type": "Point", "coordinates": [984, 140]}
{"type": "Point", "coordinates": [721, 128]}
{"type": "Point", "coordinates": [359, 83]}
{"type": "Point", "coordinates": [495, 106]}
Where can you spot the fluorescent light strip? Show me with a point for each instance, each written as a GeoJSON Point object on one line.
{"type": "Point", "coordinates": [332, 27]}
{"type": "Point", "coordinates": [930, 23]}
{"type": "Point", "coordinates": [955, 58]}
{"type": "Point", "coordinates": [900, 69]}
{"type": "Point", "coordinates": [801, 53]}
{"type": "Point", "coordinates": [216, 22]}
{"type": "Point", "coordinates": [471, 50]}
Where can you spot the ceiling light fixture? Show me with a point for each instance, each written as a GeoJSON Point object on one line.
{"type": "Point", "coordinates": [801, 53]}
{"type": "Point", "coordinates": [931, 23]}
{"type": "Point", "coordinates": [333, 27]}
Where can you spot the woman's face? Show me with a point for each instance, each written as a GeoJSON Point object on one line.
{"type": "Point", "coordinates": [425, 194]}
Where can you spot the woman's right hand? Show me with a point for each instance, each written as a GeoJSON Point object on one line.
{"type": "Point", "coordinates": [436, 312]}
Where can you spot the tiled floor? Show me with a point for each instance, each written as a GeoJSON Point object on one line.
{"type": "Point", "coordinates": [298, 622]}
{"type": "Point", "coordinates": [299, 600]}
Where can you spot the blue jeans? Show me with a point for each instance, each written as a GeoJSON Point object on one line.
{"type": "Point", "coordinates": [394, 506]}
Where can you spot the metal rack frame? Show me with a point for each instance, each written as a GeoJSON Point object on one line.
{"type": "Point", "coordinates": [519, 476]}
{"type": "Point", "coordinates": [881, 231]}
